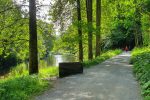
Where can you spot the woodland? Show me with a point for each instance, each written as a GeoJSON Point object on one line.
{"type": "Point", "coordinates": [90, 30]}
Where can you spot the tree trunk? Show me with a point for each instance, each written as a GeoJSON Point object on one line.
{"type": "Point", "coordinates": [98, 27]}
{"type": "Point", "coordinates": [33, 51]}
{"type": "Point", "coordinates": [80, 31]}
{"type": "Point", "coordinates": [136, 38]}
{"type": "Point", "coordinates": [89, 22]}
{"type": "Point", "coordinates": [138, 30]}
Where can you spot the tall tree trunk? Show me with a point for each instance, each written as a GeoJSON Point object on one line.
{"type": "Point", "coordinates": [98, 27]}
{"type": "Point", "coordinates": [89, 21]}
{"type": "Point", "coordinates": [80, 31]}
{"type": "Point", "coordinates": [33, 51]}
{"type": "Point", "coordinates": [138, 26]}
{"type": "Point", "coordinates": [136, 37]}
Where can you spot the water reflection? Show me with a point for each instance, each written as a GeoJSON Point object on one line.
{"type": "Point", "coordinates": [54, 60]}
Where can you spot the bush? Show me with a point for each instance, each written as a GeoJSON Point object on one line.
{"type": "Point", "coordinates": [48, 72]}
{"type": "Point", "coordinates": [141, 61]}
{"type": "Point", "coordinates": [21, 88]}
{"type": "Point", "coordinates": [103, 57]}
{"type": "Point", "coordinates": [18, 85]}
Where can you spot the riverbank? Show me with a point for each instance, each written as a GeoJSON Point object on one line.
{"type": "Point", "coordinates": [18, 85]}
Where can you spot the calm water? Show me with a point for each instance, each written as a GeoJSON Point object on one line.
{"type": "Point", "coordinates": [54, 60]}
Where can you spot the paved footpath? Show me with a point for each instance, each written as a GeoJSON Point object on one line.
{"type": "Point", "coordinates": [110, 80]}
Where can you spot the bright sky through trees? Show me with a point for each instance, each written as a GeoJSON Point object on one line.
{"type": "Point", "coordinates": [43, 7]}
{"type": "Point", "coordinates": [35, 34]}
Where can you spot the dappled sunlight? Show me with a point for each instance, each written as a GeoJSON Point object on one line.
{"type": "Point", "coordinates": [85, 95]}
{"type": "Point", "coordinates": [107, 65]}
{"type": "Point", "coordinates": [71, 83]}
{"type": "Point", "coordinates": [81, 48]}
{"type": "Point", "coordinates": [111, 80]}
{"type": "Point", "coordinates": [74, 96]}
{"type": "Point", "coordinates": [122, 60]}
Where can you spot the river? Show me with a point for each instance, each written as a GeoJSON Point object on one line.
{"type": "Point", "coordinates": [54, 60]}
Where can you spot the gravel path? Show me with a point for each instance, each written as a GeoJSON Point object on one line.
{"type": "Point", "coordinates": [110, 80]}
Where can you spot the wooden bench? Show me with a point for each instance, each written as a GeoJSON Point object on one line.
{"type": "Point", "coordinates": [70, 68]}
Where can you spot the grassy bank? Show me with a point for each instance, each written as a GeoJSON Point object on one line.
{"type": "Point", "coordinates": [141, 61]}
{"type": "Point", "coordinates": [21, 88]}
{"type": "Point", "coordinates": [104, 56]}
{"type": "Point", "coordinates": [18, 85]}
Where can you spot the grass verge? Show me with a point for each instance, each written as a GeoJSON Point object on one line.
{"type": "Point", "coordinates": [141, 61]}
{"type": "Point", "coordinates": [104, 56]}
{"type": "Point", "coordinates": [18, 85]}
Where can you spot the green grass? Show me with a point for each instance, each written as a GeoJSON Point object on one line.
{"type": "Point", "coordinates": [18, 85]}
{"type": "Point", "coordinates": [141, 61]}
{"type": "Point", "coordinates": [21, 88]}
{"type": "Point", "coordinates": [49, 72]}
{"type": "Point", "coordinates": [104, 56]}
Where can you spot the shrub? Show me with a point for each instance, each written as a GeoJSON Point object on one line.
{"type": "Point", "coordinates": [18, 85]}
{"type": "Point", "coordinates": [21, 88]}
{"type": "Point", "coordinates": [141, 61]}
{"type": "Point", "coordinates": [103, 57]}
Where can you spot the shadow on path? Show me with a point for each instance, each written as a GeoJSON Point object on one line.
{"type": "Point", "coordinates": [110, 80]}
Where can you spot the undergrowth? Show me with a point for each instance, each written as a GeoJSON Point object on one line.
{"type": "Point", "coordinates": [104, 56]}
{"type": "Point", "coordinates": [18, 85]}
{"type": "Point", "coordinates": [21, 88]}
{"type": "Point", "coordinates": [141, 61]}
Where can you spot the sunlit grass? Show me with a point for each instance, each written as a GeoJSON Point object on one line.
{"type": "Point", "coordinates": [22, 88]}
{"type": "Point", "coordinates": [22, 70]}
{"type": "Point", "coordinates": [104, 56]}
{"type": "Point", "coordinates": [19, 85]}
{"type": "Point", "coordinates": [49, 72]}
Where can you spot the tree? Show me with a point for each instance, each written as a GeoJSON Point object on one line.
{"type": "Point", "coordinates": [13, 35]}
{"type": "Point", "coordinates": [145, 20]}
{"type": "Point", "coordinates": [98, 25]}
{"type": "Point", "coordinates": [79, 31]}
{"type": "Point", "coordinates": [89, 22]}
{"type": "Point", "coordinates": [33, 51]}
{"type": "Point", "coordinates": [138, 25]}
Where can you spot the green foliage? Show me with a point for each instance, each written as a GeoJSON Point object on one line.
{"type": "Point", "coordinates": [146, 29]}
{"type": "Point", "coordinates": [68, 41]}
{"type": "Point", "coordinates": [147, 98]}
{"type": "Point", "coordinates": [104, 56]}
{"type": "Point", "coordinates": [141, 61]}
{"type": "Point", "coordinates": [22, 70]}
{"type": "Point", "coordinates": [18, 85]}
{"type": "Point", "coordinates": [49, 72]}
{"type": "Point", "coordinates": [14, 35]}
{"type": "Point", "coordinates": [13, 30]}
{"type": "Point", "coordinates": [46, 38]}
{"type": "Point", "coordinates": [21, 88]}
{"type": "Point", "coordinates": [122, 25]}
{"type": "Point", "coordinates": [121, 19]}
{"type": "Point", "coordinates": [69, 35]}
{"type": "Point", "coordinates": [7, 62]}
